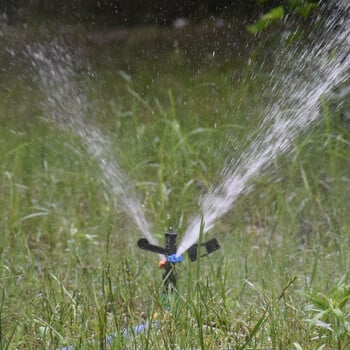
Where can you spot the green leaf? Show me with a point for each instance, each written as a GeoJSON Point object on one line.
{"type": "Point", "coordinates": [265, 20]}
{"type": "Point", "coordinates": [275, 14]}
{"type": "Point", "coordinates": [318, 300]}
{"type": "Point", "coordinates": [255, 329]}
{"type": "Point", "coordinates": [297, 346]}
{"type": "Point", "coordinates": [344, 300]}
{"type": "Point", "coordinates": [302, 7]}
{"type": "Point", "coordinates": [304, 10]}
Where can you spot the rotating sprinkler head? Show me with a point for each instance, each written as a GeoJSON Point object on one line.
{"type": "Point", "coordinates": [170, 275]}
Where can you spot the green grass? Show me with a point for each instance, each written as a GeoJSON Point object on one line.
{"type": "Point", "coordinates": [70, 271]}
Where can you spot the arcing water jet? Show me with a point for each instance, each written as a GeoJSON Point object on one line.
{"type": "Point", "coordinates": [305, 76]}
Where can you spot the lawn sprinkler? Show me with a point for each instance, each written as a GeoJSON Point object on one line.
{"type": "Point", "coordinates": [169, 251]}
{"type": "Point", "coordinates": [169, 279]}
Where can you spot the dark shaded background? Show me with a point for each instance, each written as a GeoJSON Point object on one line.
{"type": "Point", "coordinates": [132, 12]}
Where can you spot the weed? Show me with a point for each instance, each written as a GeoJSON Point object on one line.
{"type": "Point", "coordinates": [330, 313]}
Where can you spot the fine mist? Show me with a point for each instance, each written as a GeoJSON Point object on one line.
{"type": "Point", "coordinates": [304, 75]}
{"type": "Point", "coordinates": [65, 102]}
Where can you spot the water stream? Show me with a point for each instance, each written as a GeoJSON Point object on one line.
{"type": "Point", "coordinates": [65, 101]}
{"type": "Point", "coordinates": [305, 75]}
{"type": "Point", "coordinates": [300, 76]}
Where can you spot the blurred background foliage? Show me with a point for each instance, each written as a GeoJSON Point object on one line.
{"type": "Point", "coordinates": [138, 12]}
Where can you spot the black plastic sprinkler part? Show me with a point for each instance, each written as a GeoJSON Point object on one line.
{"type": "Point", "coordinates": [210, 246]}
{"type": "Point", "coordinates": [169, 276]}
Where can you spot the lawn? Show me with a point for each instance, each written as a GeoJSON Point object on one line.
{"type": "Point", "coordinates": [102, 143]}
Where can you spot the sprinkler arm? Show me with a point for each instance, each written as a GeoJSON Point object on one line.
{"type": "Point", "coordinates": [197, 249]}
{"type": "Point", "coordinates": [144, 244]}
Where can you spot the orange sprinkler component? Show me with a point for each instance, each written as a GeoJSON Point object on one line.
{"type": "Point", "coordinates": [162, 263]}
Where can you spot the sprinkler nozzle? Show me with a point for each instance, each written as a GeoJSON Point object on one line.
{"type": "Point", "coordinates": [175, 258]}
{"type": "Point", "coordinates": [162, 263]}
